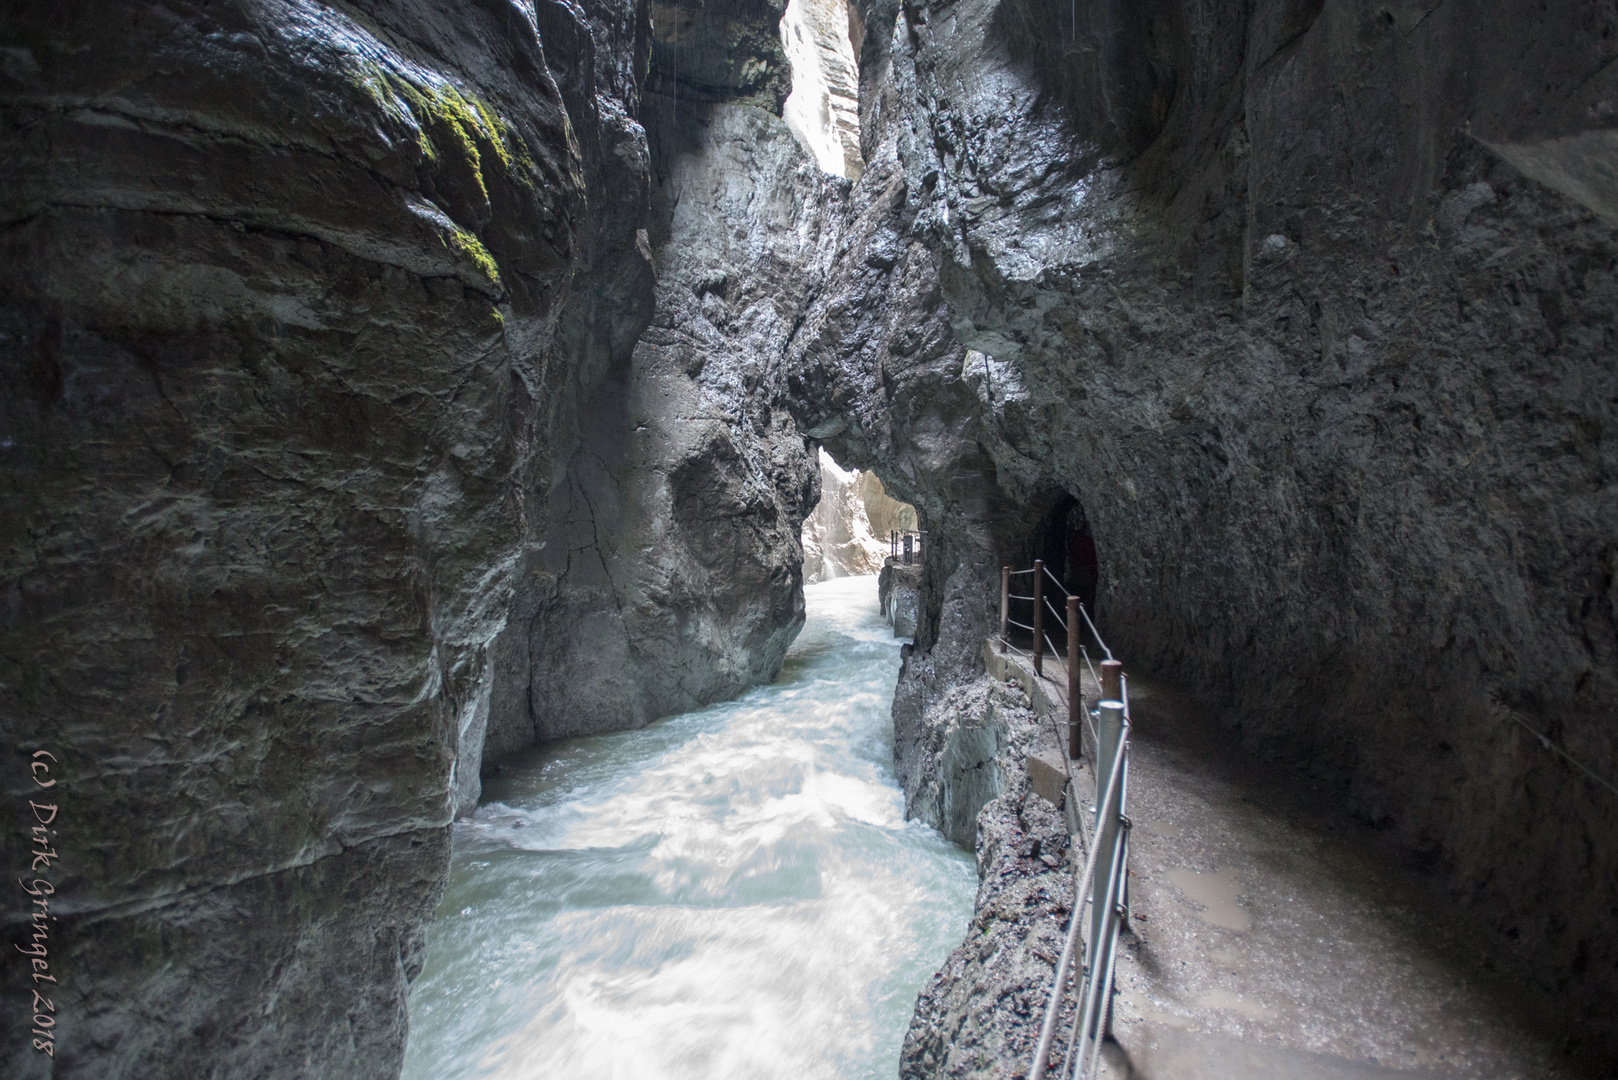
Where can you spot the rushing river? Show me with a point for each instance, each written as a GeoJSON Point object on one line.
{"type": "Point", "coordinates": [729, 893]}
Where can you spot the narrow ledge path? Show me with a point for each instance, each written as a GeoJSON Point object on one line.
{"type": "Point", "coordinates": [1272, 937]}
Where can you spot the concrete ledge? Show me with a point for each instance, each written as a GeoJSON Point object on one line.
{"type": "Point", "coordinates": [1047, 775]}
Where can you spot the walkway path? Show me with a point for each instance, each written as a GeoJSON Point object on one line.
{"type": "Point", "coordinates": [1273, 939]}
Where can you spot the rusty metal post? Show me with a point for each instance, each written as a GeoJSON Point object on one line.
{"type": "Point", "coordinates": [1112, 685]}
{"type": "Point", "coordinates": [1005, 603]}
{"type": "Point", "coordinates": [1075, 699]}
{"type": "Point", "coordinates": [1039, 617]}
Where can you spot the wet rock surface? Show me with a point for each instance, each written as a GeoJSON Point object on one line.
{"type": "Point", "coordinates": [1273, 936]}
{"type": "Point", "coordinates": [899, 594]}
{"type": "Point", "coordinates": [981, 1013]}
{"type": "Point", "coordinates": [1269, 937]}
{"type": "Point", "coordinates": [343, 340]}
{"type": "Point", "coordinates": [276, 286]}
{"type": "Point", "coordinates": [671, 575]}
{"type": "Point", "coordinates": [1330, 371]}
{"type": "Point", "coordinates": [849, 530]}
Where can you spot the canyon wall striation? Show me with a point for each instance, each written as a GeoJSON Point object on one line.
{"type": "Point", "coordinates": [392, 387]}
{"type": "Point", "coordinates": [379, 390]}
{"type": "Point", "coordinates": [670, 575]}
{"type": "Point", "coordinates": [278, 289]}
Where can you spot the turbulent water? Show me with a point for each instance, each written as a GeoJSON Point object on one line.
{"type": "Point", "coordinates": [729, 893]}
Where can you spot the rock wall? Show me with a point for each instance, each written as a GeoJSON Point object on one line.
{"type": "Point", "coordinates": [336, 336]}
{"type": "Point", "coordinates": [277, 286]}
{"type": "Point", "coordinates": [898, 590]}
{"type": "Point", "coordinates": [671, 573]}
{"type": "Point", "coordinates": [1311, 307]}
{"type": "Point", "coordinates": [823, 109]}
{"type": "Point", "coordinates": [963, 767]}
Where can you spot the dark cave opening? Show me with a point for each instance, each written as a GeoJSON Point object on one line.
{"type": "Point", "coordinates": [1063, 541]}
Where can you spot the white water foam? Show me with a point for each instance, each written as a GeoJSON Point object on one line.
{"type": "Point", "coordinates": [729, 893]}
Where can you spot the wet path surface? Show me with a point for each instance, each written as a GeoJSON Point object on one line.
{"type": "Point", "coordinates": [729, 893]}
{"type": "Point", "coordinates": [1274, 940]}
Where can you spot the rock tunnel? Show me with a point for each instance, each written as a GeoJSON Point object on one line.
{"type": "Point", "coordinates": [394, 390]}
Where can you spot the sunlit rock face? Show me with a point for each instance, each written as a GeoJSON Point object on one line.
{"type": "Point", "coordinates": [1312, 309]}
{"type": "Point", "coordinates": [850, 529]}
{"type": "Point", "coordinates": [671, 572]}
{"type": "Point", "coordinates": [823, 108]}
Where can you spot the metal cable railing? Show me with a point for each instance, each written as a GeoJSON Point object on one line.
{"type": "Point", "coordinates": [906, 542]}
{"type": "Point", "coordinates": [1101, 892]}
{"type": "Point", "coordinates": [1106, 881]}
{"type": "Point", "coordinates": [1041, 606]}
{"type": "Point", "coordinates": [1071, 623]}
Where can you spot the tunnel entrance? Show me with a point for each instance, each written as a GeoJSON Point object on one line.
{"type": "Point", "coordinates": [1062, 539]}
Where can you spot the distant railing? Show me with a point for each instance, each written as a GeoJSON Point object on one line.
{"type": "Point", "coordinates": [1070, 623]}
{"type": "Point", "coordinates": [1104, 884]}
{"type": "Point", "coordinates": [907, 543]}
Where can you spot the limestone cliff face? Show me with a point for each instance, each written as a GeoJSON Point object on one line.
{"type": "Point", "coordinates": [1327, 358]}
{"type": "Point", "coordinates": [671, 573]}
{"type": "Point", "coordinates": [339, 341]}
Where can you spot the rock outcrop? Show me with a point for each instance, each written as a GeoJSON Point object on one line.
{"type": "Point", "coordinates": [823, 109]}
{"type": "Point", "coordinates": [962, 765]}
{"type": "Point", "coordinates": [340, 341]}
{"type": "Point", "coordinates": [898, 590]}
{"type": "Point", "coordinates": [671, 574]}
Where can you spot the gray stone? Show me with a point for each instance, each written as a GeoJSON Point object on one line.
{"type": "Point", "coordinates": [1047, 775]}
{"type": "Point", "coordinates": [671, 574]}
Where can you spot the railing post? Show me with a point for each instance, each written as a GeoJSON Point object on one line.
{"type": "Point", "coordinates": [1112, 683]}
{"type": "Point", "coordinates": [1039, 617]}
{"type": "Point", "coordinates": [1005, 603]}
{"type": "Point", "coordinates": [1109, 732]}
{"type": "Point", "coordinates": [1075, 699]}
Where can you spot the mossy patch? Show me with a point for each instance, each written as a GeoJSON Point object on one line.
{"type": "Point", "coordinates": [449, 121]}
{"type": "Point", "coordinates": [461, 137]}
{"type": "Point", "coordinates": [467, 244]}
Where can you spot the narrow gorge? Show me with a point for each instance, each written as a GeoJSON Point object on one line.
{"type": "Point", "coordinates": [398, 393]}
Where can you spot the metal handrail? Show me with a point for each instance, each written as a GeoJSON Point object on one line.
{"type": "Point", "coordinates": [1546, 743]}
{"type": "Point", "coordinates": [1094, 631]}
{"type": "Point", "coordinates": [1047, 1030]}
{"type": "Point", "coordinates": [1060, 618]}
{"type": "Point", "coordinates": [1088, 1027]}
{"type": "Point", "coordinates": [1052, 647]}
{"type": "Point", "coordinates": [1086, 654]}
{"type": "Point", "coordinates": [1057, 614]}
{"type": "Point", "coordinates": [1068, 624]}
